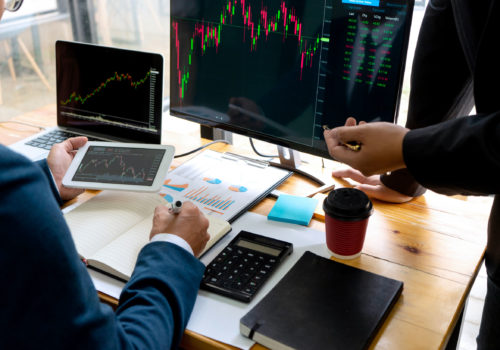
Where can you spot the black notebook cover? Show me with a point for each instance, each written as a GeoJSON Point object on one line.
{"type": "Point", "coordinates": [322, 304]}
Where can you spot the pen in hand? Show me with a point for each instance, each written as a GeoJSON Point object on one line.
{"type": "Point", "coordinates": [352, 145]}
{"type": "Point", "coordinates": [175, 207]}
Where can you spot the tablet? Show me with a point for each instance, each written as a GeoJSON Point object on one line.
{"type": "Point", "coordinates": [119, 166]}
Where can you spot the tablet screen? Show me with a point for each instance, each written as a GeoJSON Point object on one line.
{"type": "Point", "coordinates": [119, 165]}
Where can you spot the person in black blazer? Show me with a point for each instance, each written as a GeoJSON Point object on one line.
{"type": "Point", "coordinates": [456, 64]}
{"type": "Point", "coordinates": [441, 83]}
{"type": "Point", "coordinates": [47, 298]}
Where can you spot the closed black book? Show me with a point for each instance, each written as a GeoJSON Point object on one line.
{"type": "Point", "coordinates": [322, 304]}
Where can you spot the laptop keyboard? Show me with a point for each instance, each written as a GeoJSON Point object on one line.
{"type": "Point", "coordinates": [46, 141]}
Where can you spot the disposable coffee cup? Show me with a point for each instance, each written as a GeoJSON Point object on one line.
{"type": "Point", "coordinates": [347, 211]}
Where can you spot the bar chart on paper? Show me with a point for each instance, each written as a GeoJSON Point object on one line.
{"type": "Point", "coordinates": [216, 203]}
{"type": "Point", "coordinates": [219, 184]}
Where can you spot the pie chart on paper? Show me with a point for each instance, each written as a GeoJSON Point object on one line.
{"type": "Point", "coordinates": [238, 188]}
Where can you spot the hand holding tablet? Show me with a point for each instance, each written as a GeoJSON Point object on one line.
{"type": "Point", "coordinates": [119, 166]}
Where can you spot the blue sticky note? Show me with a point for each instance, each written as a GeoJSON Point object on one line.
{"type": "Point", "coordinates": [293, 209]}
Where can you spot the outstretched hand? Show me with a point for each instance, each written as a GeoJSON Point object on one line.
{"type": "Point", "coordinates": [381, 146]}
{"type": "Point", "coordinates": [59, 159]}
{"type": "Point", "coordinates": [372, 186]}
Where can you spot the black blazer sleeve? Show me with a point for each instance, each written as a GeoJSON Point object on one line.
{"type": "Point", "coordinates": [441, 81]}
{"type": "Point", "coordinates": [460, 156]}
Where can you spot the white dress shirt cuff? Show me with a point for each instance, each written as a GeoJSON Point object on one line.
{"type": "Point", "coordinates": [168, 237]}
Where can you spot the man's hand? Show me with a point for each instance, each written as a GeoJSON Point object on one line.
{"type": "Point", "coordinates": [190, 224]}
{"type": "Point", "coordinates": [381, 146]}
{"type": "Point", "coordinates": [372, 186]}
{"type": "Point", "coordinates": [59, 159]}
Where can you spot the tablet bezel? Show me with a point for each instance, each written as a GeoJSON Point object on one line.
{"type": "Point", "coordinates": [154, 187]}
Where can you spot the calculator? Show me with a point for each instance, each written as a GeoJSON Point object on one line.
{"type": "Point", "coordinates": [242, 267]}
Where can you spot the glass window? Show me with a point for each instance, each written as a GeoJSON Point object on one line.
{"type": "Point", "coordinates": [28, 36]}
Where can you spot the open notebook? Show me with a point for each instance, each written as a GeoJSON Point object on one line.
{"type": "Point", "coordinates": [110, 229]}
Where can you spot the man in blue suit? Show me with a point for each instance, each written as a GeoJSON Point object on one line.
{"type": "Point", "coordinates": [47, 299]}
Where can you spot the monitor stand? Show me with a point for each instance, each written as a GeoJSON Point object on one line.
{"type": "Point", "coordinates": [210, 133]}
{"type": "Point", "coordinates": [290, 160]}
{"type": "Point", "coordinates": [289, 157]}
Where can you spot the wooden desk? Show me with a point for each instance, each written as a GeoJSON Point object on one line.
{"type": "Point", "coordinates": [434, 244]}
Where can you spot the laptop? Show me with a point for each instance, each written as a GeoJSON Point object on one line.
{"type": "Point", "coordinates": [104, 93]}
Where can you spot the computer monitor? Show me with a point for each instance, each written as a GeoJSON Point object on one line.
{"type": "Point", "coordinates": [278, 70]}
{"type": "Point", "coordinates": [111, 92]}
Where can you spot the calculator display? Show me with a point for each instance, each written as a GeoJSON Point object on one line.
{"type": "Point", "coordinates": [258, 247]}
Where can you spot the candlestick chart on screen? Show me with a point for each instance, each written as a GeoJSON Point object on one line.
{"type": "Point", "coordinates": [128, 165]}
{"type": "Point", "coordinates": [281, 69]}
{"type": "Point", "coordinates": [112, 167]}
{"type": "Point", "coordinates": [256, 23]}
{"type": "Point", "coordinates": [124, 79]}
{"type": "Point", "coordinates": [111, 96]}
{"type": "Point", "coordinates": [243, 39]}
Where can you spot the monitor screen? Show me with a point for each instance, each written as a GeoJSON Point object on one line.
{"type": "Point", "coordinates": [279, 70]}
{"type": "Point", "coordinates": [112, 92]}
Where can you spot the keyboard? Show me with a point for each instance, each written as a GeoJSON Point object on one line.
{"type": "Point", "coordinates": [46, 141]}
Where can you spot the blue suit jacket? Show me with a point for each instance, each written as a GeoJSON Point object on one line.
{"type": "Point", "coordinates": [47, 299]}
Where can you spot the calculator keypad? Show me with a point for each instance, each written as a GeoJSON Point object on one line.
{"type": "Point", "coordinates": [239, 271]}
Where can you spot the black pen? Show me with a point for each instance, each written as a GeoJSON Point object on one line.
{"type": "Point", "coordinates": [352, 145]}
{"type": "Point", "coordinates": [175, 207]}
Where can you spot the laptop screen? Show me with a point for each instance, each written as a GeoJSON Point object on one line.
{"type": "Point", "coordinates": [112, 92]}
